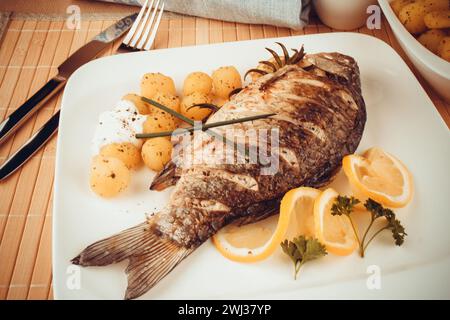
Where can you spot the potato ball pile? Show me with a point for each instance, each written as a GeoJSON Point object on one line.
{"type": "Point", "coordinates": [111, 168]}
{"type": "Point", "coordinates": [429, 21]}
{"type": "Point", "coordinates": [200, 88]}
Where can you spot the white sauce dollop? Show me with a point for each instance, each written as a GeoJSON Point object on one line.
{"type": "Point", "coordinates": [118, 125]}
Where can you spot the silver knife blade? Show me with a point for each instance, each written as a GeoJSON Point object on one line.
{"type": "Point", "coordinates": [76, 60]}
{"type": "Point", "coordinates": [30, 147]}
{"type": "Point", "coordinates": [87, 52]}
{"type": "Point", "coordinates": [13, 121]}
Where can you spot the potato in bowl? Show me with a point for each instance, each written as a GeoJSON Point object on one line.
{"type": "Point", "coordinates": [428, 20]}
{"type": "Point", "coordinates": [433, 67]}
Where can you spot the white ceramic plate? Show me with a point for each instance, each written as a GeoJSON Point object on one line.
{"type": "Point", "coordinates": [401, 120]}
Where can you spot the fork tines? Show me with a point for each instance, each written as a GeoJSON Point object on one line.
{"type": "Point", "coordinates": [143, 32]}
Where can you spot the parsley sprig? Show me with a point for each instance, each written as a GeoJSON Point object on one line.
{"type": "Point", "coordinates": [345, 206]}
{"type": "Point", "coordinates": [302, 250]}
{"type": "Point", "coordinates": [377, 211]}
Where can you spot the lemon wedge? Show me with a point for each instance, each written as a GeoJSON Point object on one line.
{"type": "Point", "coordinates": [335, 232]}
{"type": "Point", "coordinates": [257, 241]}
{"type": "Point", "coordinates": [380, 176]}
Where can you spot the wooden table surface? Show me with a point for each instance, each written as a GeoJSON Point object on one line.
{"type": "Point", "coordinates": [29, 54]}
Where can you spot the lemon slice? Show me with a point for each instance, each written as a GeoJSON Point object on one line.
{"type": "Point", "coordinates": [257, 241]}
{"type": "Point", "coordinates": [299, 203]}
{"type": "Point", "coordinates": [380, 176]}
{"type": "Point", "coordinates": [335, 232]}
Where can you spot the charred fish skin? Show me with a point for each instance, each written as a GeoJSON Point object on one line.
{"type": "Point", "coordinates": [320, 117]}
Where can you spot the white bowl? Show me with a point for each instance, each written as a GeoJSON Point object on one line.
{"type": "Point", "coordinates": [343, 14]}
{"type": "Point", "coordinates": [433, 68]}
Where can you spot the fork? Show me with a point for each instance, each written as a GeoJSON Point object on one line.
{"type": "Point", "coordinates": [143, 31]}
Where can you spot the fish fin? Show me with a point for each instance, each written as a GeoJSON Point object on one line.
{"type": "Point", "coordinates": [151, 257]}
{"type": "Point", "coordinates": [148, 268]}
{"type": "Point", "coordinates": [165, 178]}
{"type": "Point", "coordinates": [115, 248]}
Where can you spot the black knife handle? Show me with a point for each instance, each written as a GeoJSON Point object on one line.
{"type": "Point", "coordinates": [15, 119]}
{"type": "Point", "coordinates": [30, 147]}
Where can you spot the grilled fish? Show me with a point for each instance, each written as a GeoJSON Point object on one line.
{"type": "Point", "coordinates": [320, 118]}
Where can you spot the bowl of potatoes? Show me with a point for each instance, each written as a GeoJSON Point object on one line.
{"type": "Point", "coordinates": [422, 28]}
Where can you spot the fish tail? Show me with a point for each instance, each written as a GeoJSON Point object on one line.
{"type": "Point", "coordinates": [151, 257]}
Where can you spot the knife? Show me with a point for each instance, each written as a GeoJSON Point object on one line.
{"type": "Point", "coordinates": [83, 55]}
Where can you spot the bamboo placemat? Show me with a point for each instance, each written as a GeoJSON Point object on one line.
{"type": "Point", "coordinates": [30, 51]}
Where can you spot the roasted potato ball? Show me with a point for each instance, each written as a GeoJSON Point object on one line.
{"type": "Point", "coordinates": [428, 20]}
{"type": "Point", "coordinates": [431, 39]}
{"type": "Point", "coordinates": [168, 100]}
{"type": "Point", "coordinates": [195, 113]}
{"type": "Point", "coordinates": [225, 80]}
{"type": "Point", "coordinates": [143, 108]}
{"type": "Point", "coordinates": [437, 19]}
{"type": "Point", "coordinates": [197, 82]}
{"type": "Point", "coordinates": [108, 176]}
{"type": "Point", "coordinates": [126, 152]}
{"type": "Point", "coordinates": [444, 49]}
{"type": "Point", "coordinates": [397, 5]}
{"type": "Point", "coordinates": [156, 153]}
{"type": "Point", "coordinates": [412, 17]}
{"type": "Point", "coordinates": [156, 82]}
{"type": "Point", "coordinates": [433, 5]}
{"type": "Point", "coordinates": [158, 123]}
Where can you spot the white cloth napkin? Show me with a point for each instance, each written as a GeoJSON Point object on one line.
{"type": "Point", "coordinates": [284, 13]}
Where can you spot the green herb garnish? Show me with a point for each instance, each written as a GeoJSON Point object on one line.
{"type": "Point", "coordinates": [204, 127]}
{"type": "Point", "coordinates": [278, 63]}
{"type": "Point", "coordinates": [168, 110]}
{"type": "Point", "coordinates": [302, 250]}
{"type": "Point", "coordinates": [208, 106]}
{"type": "Point", "coordinates": [377, 211]}
{"type": "Point", "coordinates": [345, 205]}
{"type": "Point", "coordinates": [191, 122]}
